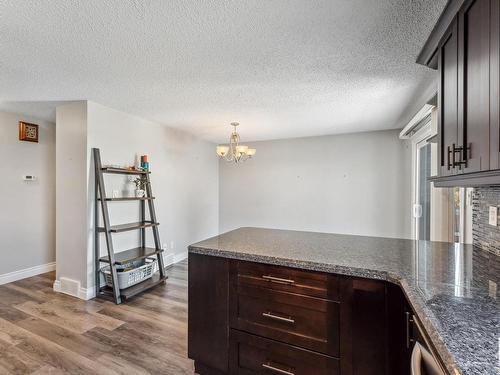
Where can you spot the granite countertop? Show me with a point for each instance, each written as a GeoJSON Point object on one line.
{"type": "Point", "coordinates": [451, 287]}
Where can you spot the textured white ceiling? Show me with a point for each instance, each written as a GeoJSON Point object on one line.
{"type": "Point", "coordinates": [282, 68]}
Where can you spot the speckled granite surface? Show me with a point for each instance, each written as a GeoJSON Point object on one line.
{"type": "Point", "coordinates": [452, 288]}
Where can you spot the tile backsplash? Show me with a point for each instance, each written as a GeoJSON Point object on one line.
{"type": "Point", "coordinates": [485, 236]}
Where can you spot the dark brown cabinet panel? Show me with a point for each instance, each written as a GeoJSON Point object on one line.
{"type": "Point", "coordinates": [448, 99]}
{"type": "Point", "coordinates": [474, 87]}
{"type": "Point", "coordinates": [208, 317]}
{"type": "Point", "coordinates": [495, 84]}
{"type": "Point", "coordinates": [364, 346]}
{"type": "Point", "coordinates": [399, 316]}
{"type": "Point", "coordinates": [252, 355]}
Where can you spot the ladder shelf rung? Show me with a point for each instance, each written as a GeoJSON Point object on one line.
{"type": "Point", "coordinates": [141, 287]}
{"type": "Point", "coordinates": [132, 254]}
{"type": "Point", "coordinates": [137, 288]}
{"type": "Point", "coordinates": [122, 171]}
{"type": "Point", "coordinates": [129, 226]}
{"type": "Point", "coordinates": [128, 199]}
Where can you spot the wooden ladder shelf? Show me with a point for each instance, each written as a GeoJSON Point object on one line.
{"type": "Point", "coordinates": [123, 257]}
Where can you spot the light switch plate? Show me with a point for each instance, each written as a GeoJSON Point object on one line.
{"type": "Point", "coordinates": [493, 216]}
{"type": "Point", "coordinates": [492, 287]}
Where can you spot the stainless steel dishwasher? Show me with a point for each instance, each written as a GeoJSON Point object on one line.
{"type": "Point", "coordinates": [422, 361]}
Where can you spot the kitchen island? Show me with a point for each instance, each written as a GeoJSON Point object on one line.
{"type": "Point", "coordinates": [352, 281]}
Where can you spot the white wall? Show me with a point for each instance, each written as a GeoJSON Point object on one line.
{"type": "Point", "coordinates": [71, 188]}
{"type": "Point", "coordinates": [27, 222]}
{"type": "Point", "coordinates": [184, 181]}
{"type": "Point", "coordinates": [353, 183]}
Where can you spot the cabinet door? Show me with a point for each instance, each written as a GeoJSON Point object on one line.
{"type": "Point", "coordinates": [400, 341]}
{"type": "Point", "coordinates": [494, 84]}
{"type": "Point", "coordinates": [363, 327]}
{"type": "Point", "coordinates": [448, 98]}
{"type": "Point", "coordinates": [208, 289]}
{"type": "Point", "coordinates": [474, 85]}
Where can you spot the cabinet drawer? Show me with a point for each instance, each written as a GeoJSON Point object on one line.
{"type": "Point", "coordinates": [251, 355]}
{"type": "Point", "coordinates": [315, 284]}
{"type": "Point", "coordinates": [304, 321]}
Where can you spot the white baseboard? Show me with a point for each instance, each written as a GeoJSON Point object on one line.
{"type": "Point", "coordinates": [27, 272]}
{"type": "Point", "coordinates": [171, 259]}
{"type": "Point", "coordinates": [168, 259]}
{"type": "Point", "coordinates": [180, 257]}
{"type": "Point", "coordinates": [86, 293]}
{"type": "Point", "coordinates": [75, 291]}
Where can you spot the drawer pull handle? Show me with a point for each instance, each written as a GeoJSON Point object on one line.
{"type": "Point", "coordinates": [278, 280]}
{"type": "Point", "coordinates": [275, 369]}
{"type": "Point", "coordinates": [277, 317]}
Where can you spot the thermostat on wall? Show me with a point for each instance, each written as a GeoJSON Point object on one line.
{"type": "Point", "coordinates": [29, 177]}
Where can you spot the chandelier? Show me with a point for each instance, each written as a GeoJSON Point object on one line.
{"type": "Point", "coordinates": [234, 151]}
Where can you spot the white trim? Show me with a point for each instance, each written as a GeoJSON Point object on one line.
{"type": "Point", "coordinates": [180, 257]}
{"type": "Point", "coordinates": [168, 259]}
{"type": "Point", "coordinates": [407, 131]}
{"type": "Point", "coordinates": [27, 272]}
{"type": "Point", "coordinates": [419, 139]}
{"type": "Point", "coordinates": [83, 293]}
{"type": "Point", "coordinates": [86, 293]}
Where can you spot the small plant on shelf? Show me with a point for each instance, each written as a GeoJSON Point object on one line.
{"type": "Point", "coordinates": [140, 187]}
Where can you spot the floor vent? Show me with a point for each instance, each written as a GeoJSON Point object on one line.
{"type": "Point", "coordinates": [69, 286]}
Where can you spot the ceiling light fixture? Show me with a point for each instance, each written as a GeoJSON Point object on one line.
{"type": "Point", "coordinates": [234, 152]}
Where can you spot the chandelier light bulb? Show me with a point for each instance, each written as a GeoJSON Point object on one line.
{"type": "Point", "coordinates": [242, 149]}
{"type": "Point", "coordinates": [222, 150]}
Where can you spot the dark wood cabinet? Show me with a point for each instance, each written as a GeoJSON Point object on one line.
{"type": "Point", "coordinates": [448, 98]}
{"type": "Point", "coordinates": [366, 321]}
{"type": "Point", "coordinates": [400, 337]}
{"type": "Point", "coordinates": [468, 92]}
{"type": "Point", "coordinates": [208, 314]}
{"type": "Point", "coordinates": [474, 86]}
{"type": "Point", "coordinates": [252, 318]}
{"type": "Point", "coordinates": [494, 85]}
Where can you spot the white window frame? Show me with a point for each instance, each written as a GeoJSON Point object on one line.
{"type": "Point", "coordinates": [418, 140]}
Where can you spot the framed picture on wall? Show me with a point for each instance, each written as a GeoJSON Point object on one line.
{"type": "Point", "coordinates": [28, 132]}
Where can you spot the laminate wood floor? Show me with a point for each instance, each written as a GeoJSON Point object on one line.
{"type": "Point", "coordinates": [43, 332]}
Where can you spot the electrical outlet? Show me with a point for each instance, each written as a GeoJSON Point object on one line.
{"type": "Point", "coordinates": [468, 199]}
{"type": "Point", "coordinates": [164, 246]}
{"type": "Point", "coordinates": [492, 288]}
{"type": "Point", "coordinates": [493, 219]}
{"type": "Point", "coordinates": [172, 245]}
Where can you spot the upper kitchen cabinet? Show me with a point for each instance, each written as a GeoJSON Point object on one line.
{"type": "Point", "coordinates": [494, 21]}
{"type": "Point", "coordinates": [474, 87]}
{"type": "Point", "coordinates": [464, 48]}
{"type": "Point", "coordinates": [448, 98]}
